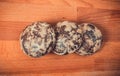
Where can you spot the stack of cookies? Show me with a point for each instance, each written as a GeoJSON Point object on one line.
{"type": "Point", "coordinates": [41, 38]}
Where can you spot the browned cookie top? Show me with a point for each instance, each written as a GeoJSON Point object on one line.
{"type": "Point", "coordinates": [68, 38]}
{"type": "Point", "coordinates": [37, 39]}
{"type": "Point", "coordinates": [92, 39]}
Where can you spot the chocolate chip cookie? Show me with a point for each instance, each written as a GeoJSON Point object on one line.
{"type": "Point", "coordinates": [92, 39]}
{"type": "Point", "coordinates": [37, 39]}
{"type": "Point", "coordinates": [68, 38]}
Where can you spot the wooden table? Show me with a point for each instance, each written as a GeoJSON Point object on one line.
{"type": "Point", "coordinates": [15, 15]}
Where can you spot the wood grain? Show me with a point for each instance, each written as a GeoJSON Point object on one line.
{"type": "Point", "coordinates": [15, 15]}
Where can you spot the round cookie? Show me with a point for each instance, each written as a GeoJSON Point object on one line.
{"type": "Point", "coordinates": [92, 39]}
{"type": "Point", "coordinates": [68, 38]}
{"type": "Point", "coordinates": [37, 39]}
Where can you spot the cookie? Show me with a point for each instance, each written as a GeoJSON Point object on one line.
{"type": "Point", "coordinates": [37, 39]}
{"type": "Point", "coordinates": [68, 38]}
{"type": "Point", "coordinates": [92, 39]}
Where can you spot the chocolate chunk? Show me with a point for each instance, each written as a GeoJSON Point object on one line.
{"type": "Point", "coordinates": [91, 26]}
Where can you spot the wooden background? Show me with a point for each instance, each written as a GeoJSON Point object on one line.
{"type": "Point", "coordinates": [16, 14]}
